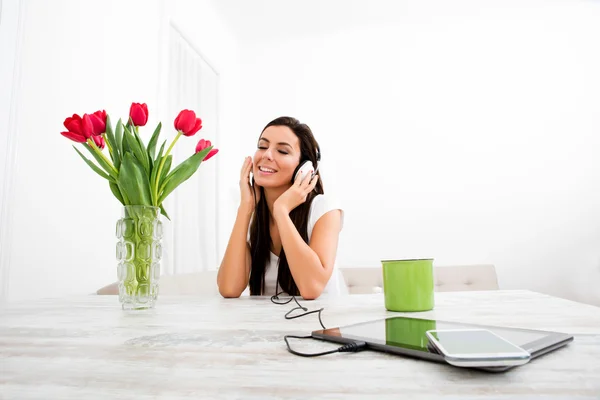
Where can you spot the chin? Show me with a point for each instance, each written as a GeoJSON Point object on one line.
{"type": "Point", "coordinates": [269, 182]}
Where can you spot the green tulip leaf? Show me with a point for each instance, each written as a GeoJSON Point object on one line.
{"type": "Point", "coordinates": [119, 137]}
{"type": "Point", "coordinates": [153, 141]}
{"type": "Point", "coordinates": [112, 144]}
{"type": "Point", "coordinates": [101, 161]}
{"type": "Point", "coordinates": [134, 145]}
{"type": "Point", "coordinates": [134, 181]}
{"type": "Point", "coordinates": [165, 170]}
{"type": "Point", "coordinates": [143, 152]}
{"type": "Point", "coordinates": [115, 190]}
{"type": "Point", "coordinates": [125, 198]}
{"type": "Point", "coordinates": [156, 164]}
{"type": "Point", "coordinates": [94, 167]}
{"type": "Point", "coordinates": [164, 212]}
{"type": "Point", "coordinates": [181, 173]}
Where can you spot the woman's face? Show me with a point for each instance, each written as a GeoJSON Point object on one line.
{"type": "Point", "coordinates": [277, 156]}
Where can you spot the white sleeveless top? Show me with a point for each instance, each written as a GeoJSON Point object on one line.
{"type": "Point", "coordinates": [320, 205]}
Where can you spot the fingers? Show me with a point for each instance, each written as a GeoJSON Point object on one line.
{"type": "Point", "coordinates": [249, 168]}
{"type": "Point", "coordinates": [303, 179]}
{"type": "Point", "coordinates": [313, 183]}
{"type": "Point", "coordinates": [299, 179]}
{"type": "Point", "coordinates": [246, 168]}
{"type": "Point", "coordinates": [250, 165]}
{"type": "Point", "coordinates": [308, 182]}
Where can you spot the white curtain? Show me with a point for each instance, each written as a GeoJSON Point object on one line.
{"type": "Point", "coordinates": [191, 237]}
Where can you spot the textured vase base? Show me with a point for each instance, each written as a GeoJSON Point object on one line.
{"type": "Point", "coordinates": [138, 304]}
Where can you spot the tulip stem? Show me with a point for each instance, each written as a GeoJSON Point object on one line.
{"type": "Point", "coordinates": [99, 152]}
{"type": "Point", "coordinates": [107, 143]}
{"type": "Point", "coordinates": [160, 166]}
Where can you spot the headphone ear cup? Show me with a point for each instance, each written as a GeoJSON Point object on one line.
{"type": "Point", "coordinates": [296, 172]}
{"type": "Point", "coordinates": [305, 165]}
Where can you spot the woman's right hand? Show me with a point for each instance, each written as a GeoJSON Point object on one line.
{"type": "Point", "coordinates": [248, 191]}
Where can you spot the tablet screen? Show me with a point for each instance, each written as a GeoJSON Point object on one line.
{"type": "Point", "coordinates": [410, 332]}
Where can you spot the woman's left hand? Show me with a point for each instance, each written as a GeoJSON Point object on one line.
{"type": "Point", "coordinates": [296, 194]}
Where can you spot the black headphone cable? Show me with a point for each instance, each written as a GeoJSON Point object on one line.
{"type": "Point", "coordinates": [354, 347]}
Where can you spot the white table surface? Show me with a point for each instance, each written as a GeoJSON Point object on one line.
{"type": "Point", "coordinates": [191, 347]}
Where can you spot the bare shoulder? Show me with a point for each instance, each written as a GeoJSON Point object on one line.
{"type": "Point", "coordinates": [325, 237]}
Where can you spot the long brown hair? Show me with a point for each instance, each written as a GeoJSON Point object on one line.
{"type": "Point", "coordinates": [260, 235]}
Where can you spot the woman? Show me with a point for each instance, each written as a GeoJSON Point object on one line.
{"type": "Point", "coordinates": [292, 242]}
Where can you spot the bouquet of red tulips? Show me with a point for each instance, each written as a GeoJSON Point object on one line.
{"type": "Point", "coordinates": [135, 173]}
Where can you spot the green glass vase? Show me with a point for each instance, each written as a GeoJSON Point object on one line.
{"type": "Point", "coordinates": [139, 251]}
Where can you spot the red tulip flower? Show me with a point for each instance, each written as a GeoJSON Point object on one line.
{"type": "Point", "coordinates": [87, 126]}
{"type": "Point", "coordinates": [138, 113]}
{"type": "Point", "coordinates": [74, 127]}
{"type": "Point", "coordinates": [203, 144]}
{"type": "Point", "coordinates": [187, 123]}
{"type": "Point", "coordinates": [99, 140]}
{"type": "Point", "coordinates": [99, 122]}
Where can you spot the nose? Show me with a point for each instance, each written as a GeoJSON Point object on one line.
{"type": "Point", "coordinates": [268, 154]}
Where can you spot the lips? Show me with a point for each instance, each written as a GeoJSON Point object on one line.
{"type": "Point", "coordinates": [266, 170]}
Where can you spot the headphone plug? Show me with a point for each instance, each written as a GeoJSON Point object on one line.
{"type": "Point", "coordinates": [353, 347]}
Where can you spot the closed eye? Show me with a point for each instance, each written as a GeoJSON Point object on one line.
{"type": "Point", "coordinates": [280, 151]}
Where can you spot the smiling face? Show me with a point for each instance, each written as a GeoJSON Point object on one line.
{"type": "Point", "coordinates": [276, 157]}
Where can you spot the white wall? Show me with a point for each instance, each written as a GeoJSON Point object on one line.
{"type": "Point", "coordinates": [10, 24]}
{"type": "Point", "coordinates": [464, 131]}
{"type": "Point", "coordinates": [78, 57]}
{"type": "Point", "coordinates": [467, 132]}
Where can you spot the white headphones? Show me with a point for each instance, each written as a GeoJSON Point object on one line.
{"type": "Point", "coordinates": [306, 165]}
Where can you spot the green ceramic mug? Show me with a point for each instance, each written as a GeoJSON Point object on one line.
{"type": "Point", "coordinates": [408, 284]}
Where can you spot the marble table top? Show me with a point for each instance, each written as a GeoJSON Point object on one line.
{"type": "Point", "coordinates": [209, 347]}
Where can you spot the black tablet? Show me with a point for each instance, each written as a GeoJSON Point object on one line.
{"type": "Point", "coordinates": [406, 336]}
